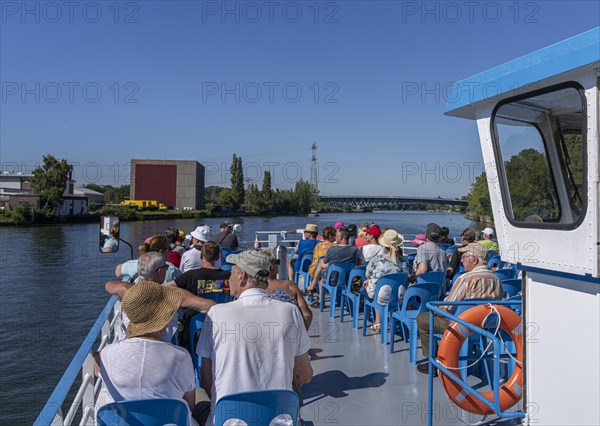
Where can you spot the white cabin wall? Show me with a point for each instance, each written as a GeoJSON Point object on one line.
{"type": "Point", "coordinates": [563, 351]}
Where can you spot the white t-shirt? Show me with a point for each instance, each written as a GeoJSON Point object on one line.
{"type": "Point", "coordinates": [252, 343]}
{"type": "Point", "coordinates": [167, 334]}
{"type": "Point", "coordinates": [369, 251]}
{"type": "Point", "coordinates": [141, 369]}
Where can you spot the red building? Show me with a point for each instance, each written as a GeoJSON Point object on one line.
{"type": "Point", "coordinates": [174, 183]}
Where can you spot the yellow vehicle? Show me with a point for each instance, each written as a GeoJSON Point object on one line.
{"type": "Point", "coordinates": [144, 204]}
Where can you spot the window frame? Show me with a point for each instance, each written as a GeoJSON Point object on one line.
{"type": "Point", "coordinates": [501, 172]}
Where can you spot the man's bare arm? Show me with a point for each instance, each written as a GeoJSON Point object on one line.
{"type": "Point", "coordinates": [303, 371]}
{"type": "Point", "coordinates": [117, 287]}
{"type": "Point", "coordinates": [197, 303]}
{"type": "Point", "coordinates": [206, 378]}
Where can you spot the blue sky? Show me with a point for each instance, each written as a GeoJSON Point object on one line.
{"type": "Point", "coordinates": [99, 83]}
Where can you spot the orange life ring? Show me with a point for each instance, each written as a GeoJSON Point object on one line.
{"type": "Point", "coordinates": [448, 353]}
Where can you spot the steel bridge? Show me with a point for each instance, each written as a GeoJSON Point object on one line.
{"type": "Point", "coordinates": [375, 201]}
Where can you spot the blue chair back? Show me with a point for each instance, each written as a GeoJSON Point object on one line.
{"type": "Point", "coordinates": [305, 262]}
{"type": "Point", "coordinates": [505, 274]}
{"type": "Point", "coordinates": [226, 266]}
{"type": "Point", "coordinates": [357, 271]}
{"type": "Point", "coordinates": [446, 246]}
{"type": "Point", "coordinates": [418, 295]}
{"type": "Point", "coordinates": [225, 251]}
{"type": "Point", "coordinates": [144, 412]}
{"type": "Point", "coordinates": [494, 261]}
{"type": "Point", "coordinates": [196, 324]}
{"type": "Point", "coordinates": [410, 258]}
{"type": "Point", "coordinates": [342, 269]}
{"type": "Point", "coordinates": [511, 287]}
{"type": "Point", "coordinates": [432, 277]}
{"type": "Point", "coordinates": [394, 281]}
{"type": "Point", "coordinates": [257, 408]}
{"type": "Point", "coordinates": [492, 253]}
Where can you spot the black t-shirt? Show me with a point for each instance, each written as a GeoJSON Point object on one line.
{"type": "Point", "coordinates": [226, 240]}
{"type": "Point", "coordinates": [200, 281]}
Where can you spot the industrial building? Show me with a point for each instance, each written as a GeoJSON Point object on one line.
{"type": "Point", "coordinates": [176, 184]}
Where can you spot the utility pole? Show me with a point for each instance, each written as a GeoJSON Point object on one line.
{"type": "Point", "coordinates": [314, 180]}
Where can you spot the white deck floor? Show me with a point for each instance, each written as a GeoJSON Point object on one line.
{"type": "Point", "coordinates": [358, 382]}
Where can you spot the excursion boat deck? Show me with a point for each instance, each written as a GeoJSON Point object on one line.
{"type": "Point", "coordinates": [358, 382]}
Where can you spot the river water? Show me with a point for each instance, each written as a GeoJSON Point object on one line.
{"type": "Point", "coordinates": [52, 290]}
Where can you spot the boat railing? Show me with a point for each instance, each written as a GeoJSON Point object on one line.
{"type": "Point", "coordinates": [103, 332]}
{"type": "Point", "coordinates": [498, 353]}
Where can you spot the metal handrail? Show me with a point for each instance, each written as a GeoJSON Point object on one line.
{"type": "Point", "coordinates": [52, 411]}
{"type": "Point", "coordinates": [497, 345]}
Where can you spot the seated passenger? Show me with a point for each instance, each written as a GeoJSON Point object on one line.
{"type": "Point", "coordinates": [171, 236]}
{"type": "Point", "coordinates": [389, 262]}
{"type": "Point", "coordinates": [487, 241]}
{"type": "Point", "coordinates": [341, 252]}
{"type": "Point", "coordinates": [207, 276]}
{"type": "Point", "coordinates": [430, 256]}
{"type": "Point", "coordinates": [144, 366]}
{"type": "Point", "coordinates": [445, 239]}
{"type": "Point", "coordinates": [152, 268]}
{"type": "Point", "coordinates": [361, 241]}
{"type": "Point", "coordinates": [477, 283]}
{"type": "Point", "coordinates": [191, 258]}
{"type": "Point", "coordinates": [286, 290]}
{"type": "Point", "coordinates": [372, 248]}
{"type": "Point", "coordinates": [157, 244]}
{"type": "Point", "coordinates": [276, 354]}
{"type": "Point", "coordinates": [304, 246]}
{"type": "Point", "coordinates": [352, 233]}
{"type": "Point", "coordinates": [321, 248]}
{"type": "Point", "coordinates": [467, 236]}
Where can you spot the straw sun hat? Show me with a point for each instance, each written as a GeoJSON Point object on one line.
{"type": "Point", "coordinates": [150, 307]}
{"type": "Point", "coordinates": [391, 238]}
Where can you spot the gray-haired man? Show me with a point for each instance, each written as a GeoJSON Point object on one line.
{"type": "Point", "coordinates": [254, 343]}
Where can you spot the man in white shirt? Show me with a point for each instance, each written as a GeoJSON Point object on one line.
{"type": "Point", "coordinates": [191, 258]}
{"type": "Point", "coordinates": [253, 343]}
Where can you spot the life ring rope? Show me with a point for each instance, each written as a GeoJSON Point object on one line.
{"type": "Point", "coordinates": [466, 332]}
{"type": "Point", "coordinates": [448, 357]}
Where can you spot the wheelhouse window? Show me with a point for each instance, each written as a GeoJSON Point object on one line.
{"type": "Point", "coordinates": [540, 153]}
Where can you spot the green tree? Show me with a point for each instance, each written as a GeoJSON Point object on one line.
{"type": "Point", "coordinates": [306, 196]}
{"type": "Point", "coordinates": [253, 198]}
{"type": "Point", "coordinates": [266, 194]}
{"type": "Point", "coordinates": [479, 198]}
{"type": "Point", "coordinates": [237, 182]}
{"type": "Point", "coordinates": [49, 181]}
{"type": "Point", "coordinates": [225, 198]}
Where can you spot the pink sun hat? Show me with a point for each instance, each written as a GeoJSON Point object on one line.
{"type": "Point", "coordinates": [419, 240]}
{"type": "Point", "coordinates": [338, 225]}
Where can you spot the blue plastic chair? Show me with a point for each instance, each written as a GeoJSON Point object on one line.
{"type": "Point", "coordinates": [144, 412]}
{"type": "Point", "coordinates": [410, 258]}
{"type": "Point", "coordinates": [511, 287]}
{"type": "Point", "coordinates": [394, 281]}
{"type": "Point", "coordinates": [196, 324]}
{"type": "Point", "coordinates": [305, 263]}
{"type": "Point", "coordinates": [494, 261]}
{"type": "Point", "coordinates": [505, 274]}
{"type": "Point", "coordinates": [226, 266]}
{"type": "Point", "coordinates": [492, 253]}
{"type": "Point", "coordinates": [343, 270]}
{"type": "Point", "coordinates": [416, 295]}
{"type": "Point", "coordinates": [433, 277]}
{"type": "Point", "coordinates": [257, 408]}
{"type": "Point", "coordinates": [225, 251]}
{"type": "Point", "coordinates": [351, 300]}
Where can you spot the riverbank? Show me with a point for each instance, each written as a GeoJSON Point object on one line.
{"type": "Point", "coordinates": [127, 214]}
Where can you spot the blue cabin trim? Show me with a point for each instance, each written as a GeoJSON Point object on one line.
{"type": "Point", "coordinates": [585, 278]}
{"type": "Point", "coordinates": [572, 53]}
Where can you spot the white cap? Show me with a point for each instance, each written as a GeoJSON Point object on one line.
{"type": "Point", "coordinates": [488, 231]}
{"type": "Point", "coordinates": [201, 233]}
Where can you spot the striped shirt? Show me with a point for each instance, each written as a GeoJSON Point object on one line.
{"type": "Point", "coordinates": [480, 283]}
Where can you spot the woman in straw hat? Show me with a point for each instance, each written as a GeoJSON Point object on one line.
{"type": "Point", "coordinates": [144, 366]}
{"type": "Point", "coordinates": [389, 262]}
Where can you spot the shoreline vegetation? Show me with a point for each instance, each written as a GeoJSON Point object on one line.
{"type": "Point", "coordinates": [50, 180]}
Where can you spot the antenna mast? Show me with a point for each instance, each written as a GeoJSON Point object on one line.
{"type": "Point", "coordinates": [314, 180]}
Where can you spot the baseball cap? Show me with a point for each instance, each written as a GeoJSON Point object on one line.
{"type": "Point", "coordinates": [476, 249]}
{"type": "Point", "coordinates": [252, 262]}
{"type": "Point", "coordinates": [488, 231]}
